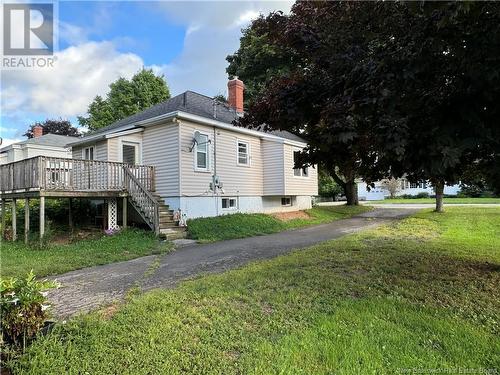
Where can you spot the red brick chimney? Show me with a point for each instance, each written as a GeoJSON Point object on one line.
{"type": "Point", "coordinates": [235, 89]}
{"type": "Point", "coordinates": [37, 131]}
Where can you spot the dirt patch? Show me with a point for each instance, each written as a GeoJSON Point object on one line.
{"type": "Point", "coordinates": [287, 216]}
{"type": "Point", "coordinates": [110, 311]}
{"type": "Point", "coordinates": [65, 238]}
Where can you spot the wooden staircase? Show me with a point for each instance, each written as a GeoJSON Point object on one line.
{"type": "Point", "coordinates": [152, 209]}
{"type": "Point", "coordinates": [168, 227]}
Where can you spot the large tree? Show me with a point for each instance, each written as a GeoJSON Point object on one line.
{"type": "Point", "coordinates": [61, 127]}
{"type": "Point", "coordinates": [125, 98]}
{"type": "Point", "coordinates": [384, 89]}
{"type": "Point", "coordinates": [450, 92]}
{"type": "Point", "coordinates": [328, 93]}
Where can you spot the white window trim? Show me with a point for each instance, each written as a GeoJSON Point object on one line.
{"type": "Point", "coordinates": [286, 205]}
{"type": "Point", "coordinates": [93, 152]}
{"type": "Point", "coordinates": [195, 154]}
{"type": "Point", "coordinates": [301, 169]}
{"type": "Point", "coordinates": [229, 208]}
{"type": "Point", "coordinates": [138, 150]}
{"type": "Point", "coordinates": [248, 164]}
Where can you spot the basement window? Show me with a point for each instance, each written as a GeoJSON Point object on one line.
{"type": "Point", "coordinates": [286, 201]}
{"type": "Point", "coordinates": [229, 203]}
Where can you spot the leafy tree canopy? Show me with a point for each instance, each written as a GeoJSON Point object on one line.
{"type": "Point", "coordinates": [380, 89]}
{"type": "Point", "coordinates": [125, 98]}
{"type": "Point", "coordinates": [61, 127]}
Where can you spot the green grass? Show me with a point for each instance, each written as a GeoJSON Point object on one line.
{"type": "Point", "coordinates": [422, 293]}
{"type": "Point", "coordinates": [17, 259]}
{"type": "Point", "coordinates": [446, 200]}
{"type": "Point", "coordinates": [245, 225]}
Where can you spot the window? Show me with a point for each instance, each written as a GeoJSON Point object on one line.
{"type": "Point", "coordinates": [243, 153]}
{"type": "Point", "coordinates": [299, 172]}
{"type": "Point", "coordinates": [88, 153]}
{"type": "Point", "coordinates": [228, 203]}
{"type": "Point", "coordinates": [286, 201]}
{"type": "Point", "coordinates": [201, 156]}
{"type": "Point", "coordinates": [128, 154]}
{"type": "Point", "coordinates": [414, 185]}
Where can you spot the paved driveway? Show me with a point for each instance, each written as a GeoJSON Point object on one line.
{"type": "Point", "coordinates": [88, 288]}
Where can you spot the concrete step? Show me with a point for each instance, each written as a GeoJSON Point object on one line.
{"type": "Point", "coordinates": [173, 234]}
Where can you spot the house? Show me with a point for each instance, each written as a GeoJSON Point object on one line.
{"type": "Point", "coordinates": [40, 145]}
{"type": "Point", "coordinates": [379, 192]}
{"type": "Point", "coordinates": [204, 165]}
{"type": "Point", "coordinates": [180, 159]}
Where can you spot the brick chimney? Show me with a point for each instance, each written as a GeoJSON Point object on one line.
{"type": "Point", "coordinates": [37, 131]}
{"type": "Point", "coordinates": [235, 89]}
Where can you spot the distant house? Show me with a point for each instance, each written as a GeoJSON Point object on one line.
{"type": "Point", "coordinates": [180, 159]}
{"type": "Point", "coordinates": [40, 145]}
{"type": "Point", "coordinates": [379, 192]}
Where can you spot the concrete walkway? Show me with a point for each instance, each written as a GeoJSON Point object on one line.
{"type": "Point", "coordinates": [88, 288]}
{"type": "Point", "coordinates": [412, 205]}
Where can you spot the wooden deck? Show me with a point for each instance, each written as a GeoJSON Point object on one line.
{"type": "Point", "coordinates": [42, 177]}
{"type": "Point", "coordinates": [58, 177]}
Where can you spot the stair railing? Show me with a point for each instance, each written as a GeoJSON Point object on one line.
{"type": "Point", "coordinates": [143, 200]}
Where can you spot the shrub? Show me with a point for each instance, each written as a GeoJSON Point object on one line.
{"type": "Point", "coordinates": [23, 308]}
{"type": "Point", "coordinates": [422, 194]}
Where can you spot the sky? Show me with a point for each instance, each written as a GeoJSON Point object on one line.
{"type": "Point", "coordinates": [100, 41]}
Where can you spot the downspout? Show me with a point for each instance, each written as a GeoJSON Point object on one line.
{"type": "Point", "coordinates": [215, 174]}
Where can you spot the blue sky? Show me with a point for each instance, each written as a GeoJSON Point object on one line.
{"type": "Point", "coordinates": [100, 41]}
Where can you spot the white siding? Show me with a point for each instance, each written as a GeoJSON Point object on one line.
{"type": "Point", "coordinates": [273, 165]}
{"type": "Point", "coordinates": [237, 179]}
{"type": "Point", "coordinates": [114, 144]}
{"type": "Point", "coordinates": [161, 149]}
{"type": "Point", "coordinates": [100, 151]}
{"type": "Point", "coordinates": [298, 185]}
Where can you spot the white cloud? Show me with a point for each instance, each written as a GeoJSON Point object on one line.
{"type": "Point", "coordinates": [81, 73]}
{"type": "Point", "coordinates": [213, 32]}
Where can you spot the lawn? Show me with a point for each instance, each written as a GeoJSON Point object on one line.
{"type": "Point", "coordinates": [17, 259]}
{"type": "Point", "coordinates": [245, 225]}
{"type": "Point", "coordinates": [446, 200]}
{"type": "Point", "coordinates": [419, 294]}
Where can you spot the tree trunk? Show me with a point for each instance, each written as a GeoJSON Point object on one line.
{"type": "Point", "coordinates": [439, 188]}
{"type": "Point", "coordinates": [351, 193]}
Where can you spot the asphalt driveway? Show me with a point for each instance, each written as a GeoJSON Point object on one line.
{"type": "Point", "coordinates": [88, 288]}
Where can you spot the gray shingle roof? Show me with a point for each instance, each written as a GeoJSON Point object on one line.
{"type": "Point", "coordinates": [54, 140]}
{"type": "Point", "coordinates": [192, 103]}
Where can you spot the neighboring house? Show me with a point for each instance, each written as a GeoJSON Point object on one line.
{"type": "Point", "coordinates": [40, 145]}
{"type": "Point", "coordinates": [379, 192]}
{"type": "Point", "coordinates": [204, 165]}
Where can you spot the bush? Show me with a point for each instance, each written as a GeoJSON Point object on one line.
{"type": "Point", "coordinates": [23, 308]}
{"type": "Point", "coordinates": [422, 194]}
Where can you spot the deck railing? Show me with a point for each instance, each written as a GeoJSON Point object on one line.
{"type": "Point", "coordinates": [59, 174]}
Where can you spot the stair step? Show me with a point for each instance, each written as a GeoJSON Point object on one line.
{"type": "Point", "coordinates": [173, 234]}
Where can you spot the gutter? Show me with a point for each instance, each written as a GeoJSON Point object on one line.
{"type": "Point", "coordinates": [187, 116]}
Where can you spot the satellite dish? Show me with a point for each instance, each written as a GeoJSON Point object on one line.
{"type": "Point", "coordinates": [197, 137]}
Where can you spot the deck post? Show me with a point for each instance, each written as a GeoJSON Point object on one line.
{"type": "Point", "coordinates": [14, 219]}
{"type": "Point", "coordinates": [4, 207]}
{"type": "Point", "coordinates": [42, 217]}
{"type": "Point", "coordinates": [124, 212]}
{"type": "Point", "coordinates": [112, 213]}
{"type": "Point", "coordinates": [70, 214]}
{"type": "Point", "coordinates": [26, 219]}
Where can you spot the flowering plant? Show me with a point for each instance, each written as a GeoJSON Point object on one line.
{"type": "Point", "coordinates": [111, 231]}
{"type": "Point", "coordinates": [23, 307]}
